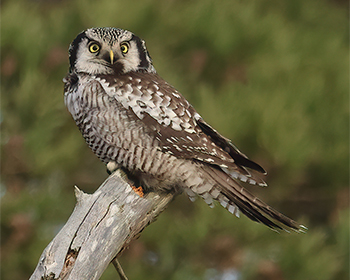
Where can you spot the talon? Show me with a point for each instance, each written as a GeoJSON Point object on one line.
{"type": "Point", "coordinates": [138, 191]}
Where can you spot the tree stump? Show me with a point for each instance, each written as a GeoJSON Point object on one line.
{"type": "Point", "coordinates": [101, 226]}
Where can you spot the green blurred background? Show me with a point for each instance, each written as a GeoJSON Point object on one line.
{"type": "Point", "coordinates": [272, 75]}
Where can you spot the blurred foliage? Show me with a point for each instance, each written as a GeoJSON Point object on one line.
{"type": "Point", "coordinates": [271, 75]}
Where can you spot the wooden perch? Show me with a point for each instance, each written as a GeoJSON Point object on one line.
{"type": "Point", "coordinates": [100, 227]}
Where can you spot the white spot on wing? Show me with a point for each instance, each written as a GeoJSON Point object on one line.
{"type": "Point", "coordinates": [166, 121]}
{"type": "Point", "coordinates": [176, 126]}
{"type": "Point", "coordinates": [252, 182]}
{"type": "Point", "coordinates": [189, 130]}
{"type": "Point", "coordinates": [176, 95]}
{"type": "Point", "coordinates": [243, 178]}
{"type": "Point", "coordinates": [171, 114]}
{"type": "Point", "coordinates": [128, 88]}
{"type": "Point", "coordinates": [223, 203]}
{"type": "Point", "coordinates": [177, 148]}
{"type": "Point", "coordinates": [197, 116]}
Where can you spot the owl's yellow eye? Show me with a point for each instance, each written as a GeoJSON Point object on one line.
{"type": "Point", "coordinates": [124, 47]}
{"type": "Point", "coordinates": [94, 48]}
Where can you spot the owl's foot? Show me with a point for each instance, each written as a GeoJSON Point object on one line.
{"type": "Point", "coordinates": [113, 166]}
{"type": "Point", "coordinates": [138, 190]}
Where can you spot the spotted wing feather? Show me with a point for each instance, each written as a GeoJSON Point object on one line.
{"type": "Point", "coordinates": [176, 125]}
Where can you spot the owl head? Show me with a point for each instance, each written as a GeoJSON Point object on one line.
{"type": "Point", "coordinates": [108, 51]}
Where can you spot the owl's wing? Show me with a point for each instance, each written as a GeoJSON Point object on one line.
{"type": "Point", "coordinates": [176, 125]}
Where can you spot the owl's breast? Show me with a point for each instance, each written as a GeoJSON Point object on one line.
{"type": "Point", "coordinates": [110, 129]}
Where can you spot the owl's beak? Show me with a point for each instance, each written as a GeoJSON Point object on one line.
{"type": "Point", "coordinates": [111, 56]}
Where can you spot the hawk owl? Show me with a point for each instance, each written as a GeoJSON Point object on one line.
{"type": "Point", "coordinates": [133, 119]}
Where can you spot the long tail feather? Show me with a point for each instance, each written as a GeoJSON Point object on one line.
{"type": "Point", "coordinates": [233, 195]}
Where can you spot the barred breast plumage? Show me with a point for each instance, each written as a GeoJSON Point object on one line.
{"type": "Point", "coordinates": [131, 117]}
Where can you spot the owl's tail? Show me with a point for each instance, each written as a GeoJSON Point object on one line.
{"type": "Point", "coordinates": [232, 196]}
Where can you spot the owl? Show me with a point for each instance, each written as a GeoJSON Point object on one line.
{"type": "Point", "coordinates": [134, 120]}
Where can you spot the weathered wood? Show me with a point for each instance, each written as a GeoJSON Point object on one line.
{"type": "Point", "coordinates": [101, 226]}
